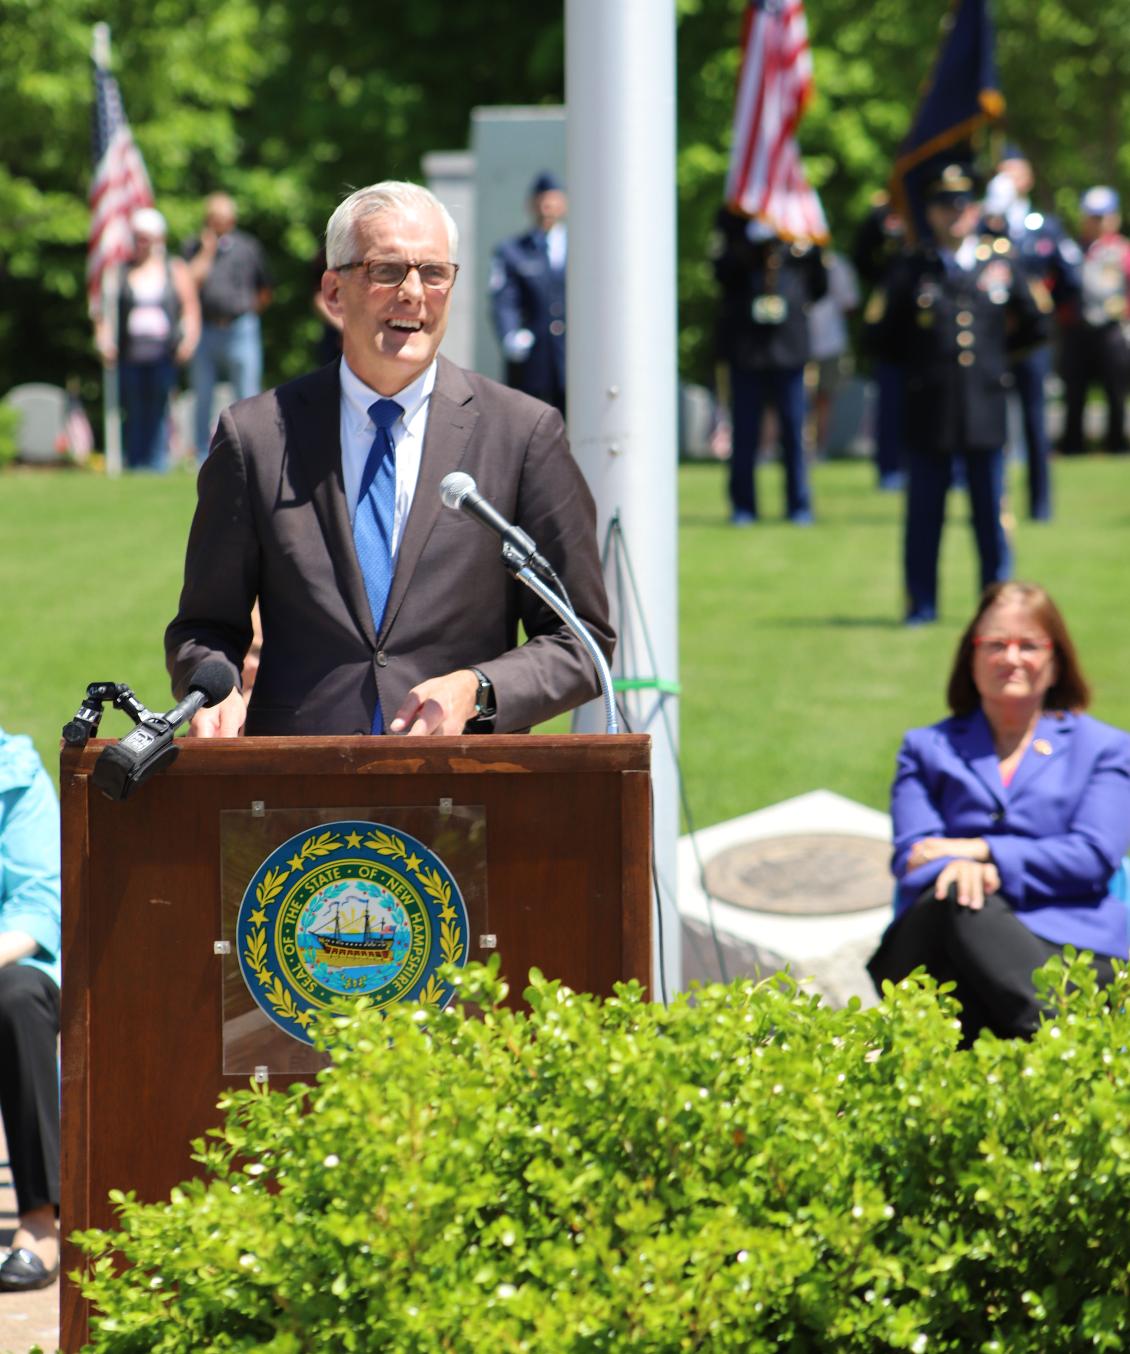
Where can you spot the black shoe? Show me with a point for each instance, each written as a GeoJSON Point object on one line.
{"type": "Point", "coordinates": [24, 1270]}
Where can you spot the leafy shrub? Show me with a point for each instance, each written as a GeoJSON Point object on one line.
{"type": "Point", "coordinates": [745, 1170]}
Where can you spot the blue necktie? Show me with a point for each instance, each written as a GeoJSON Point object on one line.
{"type": "Point", "coordinates": [372, 522]}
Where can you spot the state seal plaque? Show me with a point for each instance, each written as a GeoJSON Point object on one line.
{"type": "Point", "coordinates": [347, 909]}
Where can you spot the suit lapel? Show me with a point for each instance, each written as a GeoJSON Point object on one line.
{"type": "Point", "coordinates": [1048, 745]}
{"type": "Point", "coordinates": [316, 446]}
{"type": "Point", "coordinates": [451, 420]}
{"type": "Point", "coordinates": [972, 740]}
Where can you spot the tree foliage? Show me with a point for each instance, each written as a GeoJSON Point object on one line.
{"type": "Point", "coordinates": [1064, 68]}
{"type": "Point", "coordinates": [287, 106]}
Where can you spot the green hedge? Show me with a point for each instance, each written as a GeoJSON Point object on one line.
{"type": "Point", "coordinates": [746, 1170]}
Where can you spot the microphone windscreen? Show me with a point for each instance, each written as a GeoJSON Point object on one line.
{"type": "Point", "coordinates": [214, 678]}
{"type": "Point", "coordinates": [455, 487]}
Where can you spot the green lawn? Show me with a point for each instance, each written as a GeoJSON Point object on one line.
{"type": "Point", "coordinates": [796, 673]}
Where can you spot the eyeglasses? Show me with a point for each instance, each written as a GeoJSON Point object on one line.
{"type": "Point", "coordinates": [392, 272]}
{"type": "Point", "coordinates": [997, 646]}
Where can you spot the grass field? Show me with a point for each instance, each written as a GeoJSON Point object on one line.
{"type": "Point", "coordinates": [796, 673]}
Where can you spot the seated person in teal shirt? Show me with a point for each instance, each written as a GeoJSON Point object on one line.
{"type": "Point", "coordinates": [29, 1009]}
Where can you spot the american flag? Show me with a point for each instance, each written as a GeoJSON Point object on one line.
{"type": "Point", "coordinates": [120, 185]}
{"type": "Point", "coordinates": [766, 178]}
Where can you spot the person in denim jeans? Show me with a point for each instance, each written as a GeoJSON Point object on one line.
{"type": "Point", "coordinates": [230, 271]}
{"type": "Point", "coordinates": [157, 328]}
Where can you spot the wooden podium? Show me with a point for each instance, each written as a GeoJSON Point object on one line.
{"type": "Point", "coordinates": [565, 886]}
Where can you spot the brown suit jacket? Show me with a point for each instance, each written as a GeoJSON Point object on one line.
{"type": "Point", "coordinates": [272, 523]}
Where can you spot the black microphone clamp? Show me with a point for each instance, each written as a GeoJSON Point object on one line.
{"type": "Point", "coordinates": [150, 747]}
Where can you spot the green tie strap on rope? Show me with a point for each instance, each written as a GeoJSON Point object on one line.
{"type": "Point", "coordinates": [660, 684]}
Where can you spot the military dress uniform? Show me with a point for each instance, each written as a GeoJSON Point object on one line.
{"type": "Point", "coordinates": [1095, 346]}
{"type": "Point", "coordinates": [879, 242]}
{"type": "Point", "coordinates": [953, 321]}
{"type": "Point", "coordinates": [527, 292]}
{"type": "Point", "coordinates": [767, 287]}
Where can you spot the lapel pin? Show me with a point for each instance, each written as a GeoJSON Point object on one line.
{"type": "Point", "coordinates": [1043, 747]}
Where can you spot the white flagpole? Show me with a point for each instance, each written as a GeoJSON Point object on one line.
{"type": "Point", "coordinates": [111, 403]}
{"type": "Point", "coordinates": [111, 406]}
{"type": "Point", "coordinates": [622, 370]}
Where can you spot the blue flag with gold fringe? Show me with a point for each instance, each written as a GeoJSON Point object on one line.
{"type": "Point", "coordinates": [961, 95]}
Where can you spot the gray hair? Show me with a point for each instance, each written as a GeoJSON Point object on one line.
{"type": "Point", "coordinates": [389, 196]}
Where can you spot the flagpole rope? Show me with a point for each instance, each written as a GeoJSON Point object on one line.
{"type": "Point", "coordinates": [616, 545]}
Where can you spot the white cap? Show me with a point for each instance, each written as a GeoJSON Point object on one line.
{"type": "Point", "coordinates": [1099, 201]}
{"type": "Point", "coordinates": [999, 196]}
{"type": "Point", "coordinates": [148, 221]}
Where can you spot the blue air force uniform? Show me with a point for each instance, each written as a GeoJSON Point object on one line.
{"type": "Point", "coordinates": [953, 321]}
{"type": "Point", "coordinates": [527, 292]}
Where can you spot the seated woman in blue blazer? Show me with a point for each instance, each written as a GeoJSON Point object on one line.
{"type": "Point", "coordinates": [1009, 820]}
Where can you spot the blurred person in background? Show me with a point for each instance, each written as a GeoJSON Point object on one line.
{"type": "Point", "coordinates": [157, 328]}
{"type": "Point", "coordinates": [527, 296]}
{"type": "Point", "coordinates": [1050, 257]}
{"type": "Point", "coordinates": [235, 285]}
{"type": "Point", "coordinates": [879, 242]}
{"type": "Point", "coordinates": [829, 344]}
{"type": "Point", "coordinates": [951, 313]}
{"type": "Point", "coordinates": [767, 287]}
{"type": "Point", "coordinates": [1095, 345]}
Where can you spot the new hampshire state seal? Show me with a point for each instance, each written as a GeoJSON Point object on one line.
{"type": "Point", "coordinates": [347, 909]}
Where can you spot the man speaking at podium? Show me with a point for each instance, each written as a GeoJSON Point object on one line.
{"type": "Point", "coordinates": [381, 610]}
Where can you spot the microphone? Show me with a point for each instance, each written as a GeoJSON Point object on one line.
{"type": "Point", "coordinates": [149, 748]}
{"type": "Point", "coordinates": [460, 492]}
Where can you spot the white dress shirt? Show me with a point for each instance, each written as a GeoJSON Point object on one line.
{"type": "Point", "coordinates": [358, 432]}
{"type": "Point", "coordinates": [556, 246]}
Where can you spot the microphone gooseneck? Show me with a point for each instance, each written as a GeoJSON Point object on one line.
{"type": "Point", "coordinates": [460, 493]}
{"type": "Point", "coordinates": [520, 556]}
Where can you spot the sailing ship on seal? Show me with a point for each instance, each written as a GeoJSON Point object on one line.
{"type": "Point", "coordinates": [345, 949]}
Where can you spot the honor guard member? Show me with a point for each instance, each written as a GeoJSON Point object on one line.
{"type": "Point", "coordinates": [767, 287]}
{"type": "Point", "coordinates": [879, 242]}
{"type": "Point", "coordinates": [1052, 258]}
{"type": "Point", "coordinates": [1095, 346]}
{"type": "Point", "coordinates": [527, 296]}
{"type": "Point", "coordinates": [953, 312]}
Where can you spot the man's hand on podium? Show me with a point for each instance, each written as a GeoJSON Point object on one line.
{"type": "Point", "coordinates": [220, 721]}
{"type": "Point", "coordinates": [441, 705]}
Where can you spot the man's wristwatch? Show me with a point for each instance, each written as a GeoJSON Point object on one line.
{"type": "Point", "coordinates": [485, 707]}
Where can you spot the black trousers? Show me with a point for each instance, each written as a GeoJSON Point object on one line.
{"type": "Point", "coordinates": [29, 1082]}
{"type": "Point", "coordinates": [1095, 355]}
{"type": "Point", "coordinates": [989, 954]}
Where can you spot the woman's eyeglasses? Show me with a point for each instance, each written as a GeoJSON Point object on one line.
{"type": "Point", "coordinates": [997, 646]}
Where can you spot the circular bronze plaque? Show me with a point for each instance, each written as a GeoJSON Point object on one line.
{"type": "Point", "coordinates": [810, 874]}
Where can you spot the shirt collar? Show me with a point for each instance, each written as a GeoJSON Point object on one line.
{"type": "Point", "coordinates": [357, 396]}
